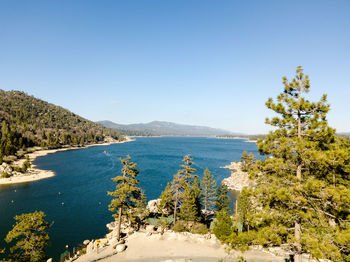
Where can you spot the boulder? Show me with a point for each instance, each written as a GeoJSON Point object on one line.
{"type": "Point", "coordinates": [49, 260]}
{"type": "Point", "coordinates": [153, 205]}
{"type": "Point", "coordinates": [120, 248]}
{"type": "Point", "coordinates": [86, 242]}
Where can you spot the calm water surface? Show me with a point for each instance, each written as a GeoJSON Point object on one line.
{"type": "Point", "coordinates": [76, 199]}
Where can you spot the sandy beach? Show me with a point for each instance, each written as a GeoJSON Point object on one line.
{"type": "Point", "coordinates": [33, 173]}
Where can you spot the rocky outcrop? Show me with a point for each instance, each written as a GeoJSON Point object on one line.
{"type": "Point", "coordinates": [153, 205]}
{"type": "Point", "coordinates": [238, 179]}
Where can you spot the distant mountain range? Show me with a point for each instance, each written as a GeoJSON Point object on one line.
{"type": "Point", "coordinates": [162, 128]}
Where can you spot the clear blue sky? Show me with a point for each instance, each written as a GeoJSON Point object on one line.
{"type": "Point", "coordinates": [201, 62]}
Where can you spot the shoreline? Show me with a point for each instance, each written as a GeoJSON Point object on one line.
{"type": "Point", "coordinates": [33, 173]}
{"type": "Point", "coordinates": [247, 140]}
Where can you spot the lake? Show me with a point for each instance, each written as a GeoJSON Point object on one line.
{"type": "Point", "coordinates": [76, 199]}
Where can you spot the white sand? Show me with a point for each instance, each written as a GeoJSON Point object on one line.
{"type": "Point", "coordinates": [34, 173]}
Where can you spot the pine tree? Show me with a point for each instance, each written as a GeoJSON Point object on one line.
{"type": "Point", "coordinates": [196, 188]}
{"type": "Point", "coordinates": [222, 198]}
{"type": "Point", "coordinates": [188, 171]}
{"type": "Point", "coordinates": [166, 205]}
{"type": "Point", "coordinates": [188, 209]}
{"type": "Point", "coordinates": [32, 237]}
{"type": "Point", "coordinates": [177, 186]}
{"type": "Point", "coordinates": [223, 225]}
{"type": "Point", "coordinates": [303, 183]}
{"type": "Point", "coordinates": [208, 190]}
{"type": "Point", "coordinates": [247, 160]}
{"type": "Point", "coordinates": [127, 194]}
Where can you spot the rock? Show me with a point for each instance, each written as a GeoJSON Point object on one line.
{"type": "Point", "coordinates": [111, 226]}
{"type": "Point", "coordinates": [238, 179]}
{"type": "Point", "coordinates": [153, 205]}
{"type": "Point", "coordinates": [49, 260]}
{"type": "Point", "coordinates": [90, 247]}
{"type": "Point", "coordinates": [120, 248]}
{"type": "Point", "coordinates": [86, 242]}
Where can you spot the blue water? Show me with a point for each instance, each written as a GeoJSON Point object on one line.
{"type": "Point", "coordinates": [76, 199]}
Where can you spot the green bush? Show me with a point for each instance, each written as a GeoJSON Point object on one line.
{"type": "Point", "coordinates": [5, 175]}
{"type": "Point", "coordinates": [199, 228]}
{"type": "Point", "coordinates": [163, 223]}
{"type": "Point", "coordinates": [181, 226]}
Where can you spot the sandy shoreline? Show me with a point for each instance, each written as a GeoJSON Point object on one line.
{"type": "Point", "coordinates": [238, 137]}
{"type": "Point", "coordinates": [34, 173]}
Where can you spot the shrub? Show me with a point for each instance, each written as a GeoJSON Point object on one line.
{"type": "Point", "coordinates": [5, 175]}
{"type": "Point", "coordinates": [199, 228]}
{"type": "Point", "coordinates": [181, 226]}
{"type": "Point", "coordinates": [163, 223]}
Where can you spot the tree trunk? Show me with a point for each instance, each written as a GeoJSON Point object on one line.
{"type": "Point", "coordinates": [297, 234]}
{"type": "Point", "coordinates": [297, 225]}
{"type": "Point", "coordinates": [119, 223]}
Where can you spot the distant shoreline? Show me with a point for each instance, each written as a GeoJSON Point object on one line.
{"type": "Point", "coordinates": [33, 173]}
{"type": "Point", "coordinates": [238, 137]}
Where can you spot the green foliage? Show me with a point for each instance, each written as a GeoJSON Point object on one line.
{"type": "Point", "coordinates": [222, 199]}
{"type": "Point", "coordinates": [5, 175]}
{"type": "Point", "coordinates": [302, 191]}
{"type": "Point", "coordinates": [245, 208]}
{"type": "Point", "coordinates": [166, 205]}
{"type": "Point", "coordinates": [181, 226]}
{"type": "Point", "coordinates": [223, 226]}
{"type": "Point", "coordinates": [188, 171]}
{"type": "Point", "coordinates": [30, 232]}
{"type": "Point", "coordinates": [248, 161]}
{"type": "Point", "coordinates": [27, 121]}
{"type": "Point", "coordinates": [189, 209]}
{"type": "Point", "coordinates": [199, 228]}
{"type": "Point", "coordinates": [208, 190]}
{"type": "Point", "coordinates": [163, 222]}
{"type": "Point", "coordinates": [129, 201]}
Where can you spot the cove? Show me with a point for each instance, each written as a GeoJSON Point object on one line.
{"type": "Point", "coordinates": [76, 199]}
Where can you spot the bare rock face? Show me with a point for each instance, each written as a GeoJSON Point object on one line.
{"type": "Point", "coordinates": [238, 179]}
{"type": "Point", "coordinates": [153, 205]}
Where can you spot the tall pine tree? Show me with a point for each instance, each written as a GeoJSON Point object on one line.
{"type": "Point", "coordinates": [208, 190]}
{"type": "Point", "coordinates": [127, 195]}
{"type": "Point", "coordinates": [302, 193]}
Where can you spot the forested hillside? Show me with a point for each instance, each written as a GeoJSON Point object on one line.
{"type": "Point", "coordinates": [162, 128]}
{"type": "Point", "coordinates": [27, 121]}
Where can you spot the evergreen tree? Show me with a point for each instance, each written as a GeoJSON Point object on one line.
{"type": "Point", "coordinates": [188, 171]}
{"type": "Point", "coordinates": [247, 160]}
{"type": "Point", "coordinates": [303, 184]}
{"type": "Point", "coordinates": [188, 209]}
{"type": "Point", "coordinates": [223, 225]}
{"type": "Point", "coordinates": [177, 186]}
{"type": "Point", "coordinates": [166, 205]}
{"type": "Point", "coordinates": [32, 237]}
{"type": "Point", "coordinates": [127, 193]}
{"type": "Point", "coordinates": [222, 198]}
{"type": "Point", "coordinates": [208, 190]}
{"type": "Point", "coordinates": [196, 188]}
